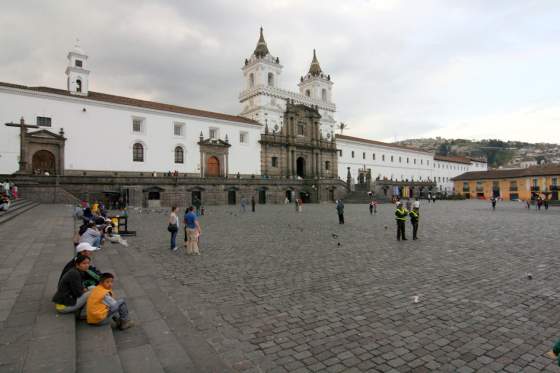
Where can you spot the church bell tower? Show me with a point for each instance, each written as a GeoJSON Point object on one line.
{"type": "Point", "coordinates": [261, 73]}
{"type": "Point", "coordinates": [76, 72]}
{"type": "Point", "coordinates": [316, 84]}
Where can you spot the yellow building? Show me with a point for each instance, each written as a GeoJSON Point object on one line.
{"type": "Point", "coordinates": [513, 184]}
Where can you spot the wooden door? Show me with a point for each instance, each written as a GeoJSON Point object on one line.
{"type": "Point", "coordinates": [43, 160]}
{"type": "Point", "coordinates": [213, 167]}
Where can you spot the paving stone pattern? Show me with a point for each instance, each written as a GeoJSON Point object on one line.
{"type": "Point", "coordinates": [273, 291]}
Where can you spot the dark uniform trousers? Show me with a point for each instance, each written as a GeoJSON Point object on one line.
{"type": "Point", "coordinates": [414, 230]}
{"type": "Point", "coordinates": [400, 229]}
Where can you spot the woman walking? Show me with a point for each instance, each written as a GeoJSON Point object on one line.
{"type": "Point", "coordinates": [173, 227]}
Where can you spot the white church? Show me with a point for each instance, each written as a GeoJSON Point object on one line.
{"type": "Point", "coordinates": [74, 130]}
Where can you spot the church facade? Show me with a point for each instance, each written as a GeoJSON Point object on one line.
{"type": "Point", "coordinates": [75, 141]}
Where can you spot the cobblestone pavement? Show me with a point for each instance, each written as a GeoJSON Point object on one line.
{"type": "Point", "coordinates": [280, 294]}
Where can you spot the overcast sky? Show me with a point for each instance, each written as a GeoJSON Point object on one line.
{"type": "Point", "coordinates": [401, 69]}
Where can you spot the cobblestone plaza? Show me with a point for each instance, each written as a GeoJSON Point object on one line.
{"type": "Point", "coordinates": [274, 292]}
{"type": "Point", "coordinates": [282, 295]}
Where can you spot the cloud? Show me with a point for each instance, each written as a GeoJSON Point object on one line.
{"type": "Point", "coordinates": [401, 69]}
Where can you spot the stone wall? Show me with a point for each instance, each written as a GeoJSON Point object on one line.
{"type": "Point", "coordinates": [178, 191]}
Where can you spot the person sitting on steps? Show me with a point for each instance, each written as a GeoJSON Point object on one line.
{"type": "Point", "coordinates": [71, 295]}
{"type": "Point", "coordinates": [91, 277]}
{"type": "Point", "coordinates": [102, 307]}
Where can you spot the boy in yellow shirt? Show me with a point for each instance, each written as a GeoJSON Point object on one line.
{"type": "Point", "coordinates": [102, 307]}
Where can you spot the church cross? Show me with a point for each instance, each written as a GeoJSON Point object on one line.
{"type": "Point", "coordinates": [22, 135]}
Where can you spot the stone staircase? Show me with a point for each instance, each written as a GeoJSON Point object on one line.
{"type": "Point", "coordinates": [17, 207]}
{"type": "Point", "coordinates": [167, 336]}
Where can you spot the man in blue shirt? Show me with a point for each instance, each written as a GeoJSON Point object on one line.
{"type": "Point", "coordinates": [192, 227]}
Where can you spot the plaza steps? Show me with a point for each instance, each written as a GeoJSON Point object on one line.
{"type": "Point", "coordinates": [170, 333]}
{"type": "Point", "coordinates": [34, 337]}
{"type": "Point", "coordinates": [163, 339]}
{"type": "Point", "coordinates": [17, 207]}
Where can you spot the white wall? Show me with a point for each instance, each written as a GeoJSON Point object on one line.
{"type": "Point", "coordinates": [444, 171]}
{"type": "Point", "coordinates": [101, 138]}
{"type": "Point", "coordinates": [396, 170]}
{"type": "Point", "coordinates": [425, 167]}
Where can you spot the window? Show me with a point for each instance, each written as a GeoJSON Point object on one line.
{"type": "Point", "coordinates": [78, 85]}
{"type": "Point", "coordinates": [327, 165]}
{"type": "Point", "coordinates": [79, 63]}
{"type": "Point", "coordinates": [407, 160]}
{"type": "Point", "coordinates": [178, 129]}
{"type": "Point", "coordinates": [400, 159]}
{"type": "Point", "coordinates": [179, 155]}
{"type": "Point", "coordinates": [213, 133]}
{"type": "Point", "coordinates": [137, 152]}
{"type": "Point", "coordinates": [274, 161]}
{"type": "Point", "coordinates": [466, 187]}
{"type": "Point", "coordinates": [364, 155]}
{"type": "Point", "coordinates": [324, 94]}
{"type": "Point", "coordinates": [137, 125]}
{"type": "Point", "coordinates": [392, 158]}
{"type": "Point", "coordinates": [513, 186]}
{"type": "Point", "coordinates": [352, 154]}
{"type": "Point", "coordinates": [414, 160]}
{"type": "Point", "coordinates": [421, 161]}
{"type": "Point", "coordinates": [44, 121]}
{"type": "Point", "coordinates": [340, 152]}
{"type": "Point", "coordinates": [308, 93]}
{"type": "Point", "coordinates": [427, 162]}
{"type": "Point", "coordinates": [243, 137]}
{"type": "Point", "coordinates": [383, 157]}
{"type": "Point", "coordinates": [555, 180]}
{"type": "Point", "coordinates": [300, 129]}
{"type": "Point", "coordinates": [270, 79]}
{"type": "Point", "coordinates": [373, 156]}
{"type": "Point", "coordinates": [251, 80]}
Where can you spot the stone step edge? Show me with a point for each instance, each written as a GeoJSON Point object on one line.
{"type": "Point", "coordinates": [10, 215]}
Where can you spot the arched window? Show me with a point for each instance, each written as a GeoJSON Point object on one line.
{"type": "Point", "coordinates": [78, 85]}
{"type": "Point", "coordinates": [270, 79]}
{"type": "Point", "coordinates": [251, 80]}
{"type": "Point", "coordinates": [179, 155]}
{"type": "Point", "coordinates": [137, 152]}
{"type": "Point", "coordinates": [308, 93]}
{"type": "Point", "coordinates": [324, 94]}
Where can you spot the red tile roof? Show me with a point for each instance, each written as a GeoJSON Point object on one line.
{"type": "Point", "coordinates": [453, 159]}
{"type": "Point", "coordinates": [373, 142]}
{"type": "Point", "coordinates": [121, 100]}
{"type": "Point", "coordinates": [548, 170]}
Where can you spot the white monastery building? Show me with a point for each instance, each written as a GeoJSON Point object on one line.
{"type": "Point", "coordinates": [105, 132]}
{"type": "Point", "coordinates": [114, 133]}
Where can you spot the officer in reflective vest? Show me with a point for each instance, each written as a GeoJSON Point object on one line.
{"type": "Point", "coordinates": [400, 216]}
{"type": "Point", "coordinates": [414, 219]}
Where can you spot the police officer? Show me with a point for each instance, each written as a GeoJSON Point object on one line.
{"type": "Point", "coordinates": [400, 216]}
{"type": "Point", "coordinates": [414, 218]}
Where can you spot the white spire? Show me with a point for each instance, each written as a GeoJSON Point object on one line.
{"type": "Point", "coordinates": [77, 48]}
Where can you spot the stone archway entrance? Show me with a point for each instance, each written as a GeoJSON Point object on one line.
{"type": "Point", "coordinates": [42, 161]}
{"type": "Point", "coordinates": [300, 167]}
{"type": "Point", "coordinates": [213, 167]}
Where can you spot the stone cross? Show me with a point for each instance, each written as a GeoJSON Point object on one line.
{"type": "Point", "coordinates": [22, 141]}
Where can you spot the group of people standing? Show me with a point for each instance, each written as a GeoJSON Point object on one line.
{"type": "Point", "coordinates": [401, 214]}
{"type": "Point", "coordinates": [192, 230]}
